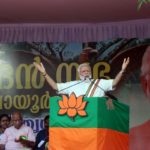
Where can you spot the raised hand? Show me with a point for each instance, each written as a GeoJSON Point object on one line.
{"type": "Point", "coordinates": [48, 78]}
{"type": "Point", "coordinates": [125, 63]}
{"type": "Point", "coordinates": [119, 76]}
{"type": "Point", "coordinates": [40, 67]}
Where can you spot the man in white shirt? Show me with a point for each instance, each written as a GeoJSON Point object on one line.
{"type": "Point", "coordinates": [80, 87]}
{"type": "Point", "coordinates": [18, 136]}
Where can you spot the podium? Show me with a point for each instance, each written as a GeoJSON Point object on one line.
{"type": "Point", "coordinates": [99, 129]}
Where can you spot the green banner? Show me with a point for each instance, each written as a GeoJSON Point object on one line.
{"type": "Point", "coordinates": [98, 116]}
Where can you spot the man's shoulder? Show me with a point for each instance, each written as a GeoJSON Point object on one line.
{"type": "Point", "coordinates": [9, 129]}
{"type": "Point", "coordinates": [69, 82]}
{"type": "Point", "coordinates": [105, 80]}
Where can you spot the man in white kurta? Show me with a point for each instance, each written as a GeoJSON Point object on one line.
{"type": "Point", "coordinates": [80, 87]}
{"type": "Point", "coordinates": [11, 137]}
{"type": "Point", "coordinates": [84, 71]}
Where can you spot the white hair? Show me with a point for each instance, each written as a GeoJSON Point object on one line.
{"type": "Point", "coordinates": [82, 65]}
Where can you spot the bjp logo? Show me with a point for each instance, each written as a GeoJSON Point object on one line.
{"type": "Point", "coordinates": [72, 106]}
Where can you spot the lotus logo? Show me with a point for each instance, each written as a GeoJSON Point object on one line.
{"type": "Point", "coordinates": [72, 106]}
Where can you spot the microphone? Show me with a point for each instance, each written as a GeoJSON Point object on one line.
{"type": "Point", "coordinates": [87, 78]}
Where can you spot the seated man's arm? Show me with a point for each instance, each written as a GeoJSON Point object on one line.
{"type": "Point", "coordinates": [30, 142]}
{"type": "Point", "coordinates": [3, 140]}
{"type": "Point", "coordinates": [27, 143]}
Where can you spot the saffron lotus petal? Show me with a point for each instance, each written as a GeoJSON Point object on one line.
{"type": "Point", "coordinates": [65, 101]}
{"type": "Point", "coordinates": [62, 111]}
{"type": "Point", "coordinates": [81, 113]}
{"type": "Point", "coordinates": [71, 112]}
{"type": "Point", "coordinates": [72, 101]}
{"type": "Point", "coordinates": [72, 106]}
{"type": "Point", "coordinates": [79, 101]}
{"type": "Point", "coordinates": [61, 104]}
{"type": "Point", "coordinates": [82, 106]}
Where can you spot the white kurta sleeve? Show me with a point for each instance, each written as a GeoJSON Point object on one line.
{"type": "Point", "coordinates": [106, 85]}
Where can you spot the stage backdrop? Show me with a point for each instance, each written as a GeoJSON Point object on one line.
{"type": "Point", "coordinates": [24, 89]}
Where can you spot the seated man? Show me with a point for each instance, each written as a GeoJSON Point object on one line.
{"type": "Point", "coordinates": [18, 136]}
{"type": "Point", "coordinates": [42, 136]}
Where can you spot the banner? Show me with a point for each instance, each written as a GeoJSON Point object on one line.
{"type": "Point", "coordinates": [24, 89]}
{"type": "Point", "coordinates": [98, 129]}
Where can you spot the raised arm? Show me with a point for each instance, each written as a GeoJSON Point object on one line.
{"type": "Point", "coordinates": [42, 70]}
{"type": "Point", "coordinates": [120, 74]}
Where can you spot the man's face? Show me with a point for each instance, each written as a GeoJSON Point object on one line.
{"type": "Point", "coordinates": [4, 123]}
{"type": "Point", "coordinates": [145, 73]}
{"type": "Point", "coordinates": [17, 120]}
{"type": "Point", "coordinates": [85, 71]}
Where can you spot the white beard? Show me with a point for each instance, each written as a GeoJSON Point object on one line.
{"type": "Point", "coordinates": [87, 78]}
